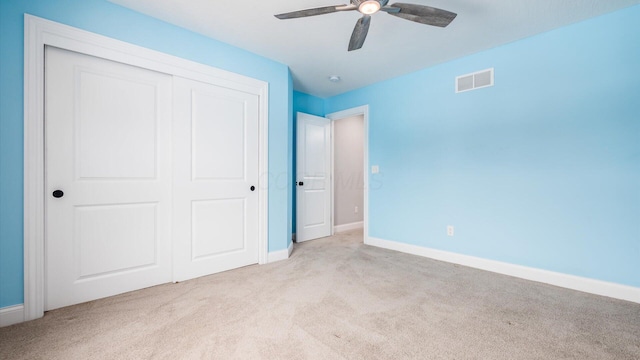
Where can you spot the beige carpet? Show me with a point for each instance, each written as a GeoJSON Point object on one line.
{"type": "Point", "coordinates": [338, 299]}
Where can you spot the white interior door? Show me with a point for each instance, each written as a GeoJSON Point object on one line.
{"type": "Point", "coordinates": [215, 179]}
{"type": "Point", "coordinates": [108, 133]}
{"type": "Point", "coordinates": [313, 183]}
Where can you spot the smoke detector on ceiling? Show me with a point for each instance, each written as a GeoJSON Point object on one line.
{"type": "Point", "coordinates": [334, 78]}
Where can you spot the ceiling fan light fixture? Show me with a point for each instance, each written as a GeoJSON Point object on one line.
{"type": "Point", "coordinates": [369, 7]}
{"type": "Point", "coordinates": [413, 12]}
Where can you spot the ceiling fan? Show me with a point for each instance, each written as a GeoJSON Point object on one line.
{"type": "Point", "coordinates": [419, 13]}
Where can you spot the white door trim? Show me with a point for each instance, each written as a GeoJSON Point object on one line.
{"type": "Point", "coordinates": [40, 33]}
{"type": "Point", "coordinates": [364, 111]}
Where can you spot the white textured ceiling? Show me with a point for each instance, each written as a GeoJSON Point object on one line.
{"type": "Point", "coordinates": [316, 47]}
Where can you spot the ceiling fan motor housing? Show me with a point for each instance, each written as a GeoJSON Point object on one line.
{"type": "Point", "coordinates": [358, 3]}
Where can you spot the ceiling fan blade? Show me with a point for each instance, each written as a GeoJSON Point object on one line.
{"type": "Point", "coordinates": [423, 14]}
{"type": "Point", "coordinates": [316, 11]}
{"type": "Point", "coordinates": [360, 33]}
{"type": "Point", "coordinates": [390, 9]}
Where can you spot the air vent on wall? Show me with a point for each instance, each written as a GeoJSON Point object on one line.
{"type": "Point", "coordinates": [474, 80]}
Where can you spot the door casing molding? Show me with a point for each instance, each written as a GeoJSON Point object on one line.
{"type": "Point", "coordinates": [39, 33]}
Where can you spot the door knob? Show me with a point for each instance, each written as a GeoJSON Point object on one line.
{"type": "Point", "coordinates": [252, 188]}
{"type": "Point", "coordinates": [301, 183]}
{"type": "Point", "coordinates": [58, 194]}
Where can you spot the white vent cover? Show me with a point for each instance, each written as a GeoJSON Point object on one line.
{"type": "Point", "coordinates": [474, 80]}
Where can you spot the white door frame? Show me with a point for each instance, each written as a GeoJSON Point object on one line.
{"type": "Point", "coordinates": [39, 33]}
{"type": "Point", "coordinates": [364, 111]}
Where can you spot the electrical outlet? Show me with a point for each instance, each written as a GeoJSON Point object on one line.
{"type": "Point", "coordinates": [356, 210]}
{"type": "Point", "coordinates": [450, 230]}
{"type": "Point", "coordinates": [375, 169]}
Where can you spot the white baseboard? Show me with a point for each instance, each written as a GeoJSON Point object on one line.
{"type": "Point", "coordinates": [11, 315]}
{"type": "Point", "coordinates": [347, 227]}
{"type": "Point", "coordinates": [280, 255]}
{"type": "Point", "coordinates": [592, 286]}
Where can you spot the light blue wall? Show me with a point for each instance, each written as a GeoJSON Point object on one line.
{"type": "Point", "coordinates": [541, 170]}
{"type": "Point", "coordinates": [308, 104]}
{"type": "Point", "coordinates": [114, 21]}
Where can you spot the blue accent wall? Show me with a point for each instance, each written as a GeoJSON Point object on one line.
{"type": "Point", "coordinates": [541, 170]}
{"type": "Point", "coordinates": [308, 104]}
{"type": "Point", "coordinates": [111, 20]}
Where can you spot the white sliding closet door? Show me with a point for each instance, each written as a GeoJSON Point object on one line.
{"type": "Point", "coordinates": [108, 178]}
{"type": "Point", "coordinates": [215, 210]}
{"type": "Point", "coordinates": [149, 177]}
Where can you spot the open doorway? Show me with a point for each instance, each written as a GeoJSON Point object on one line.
{"type": "Point", "coordinates": [320, 209]}
{"type": "Point", "coordinates": [348, 173]}
{"type": "Point", "coordinates": [350, 169]}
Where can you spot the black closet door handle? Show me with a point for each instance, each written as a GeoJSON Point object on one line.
{"type": "Point", "coordinates": [252, 188]}
{"type": "Point", "coordinates": [58, 194]}
{"type": "Point", "coordinates": [301, 183]}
